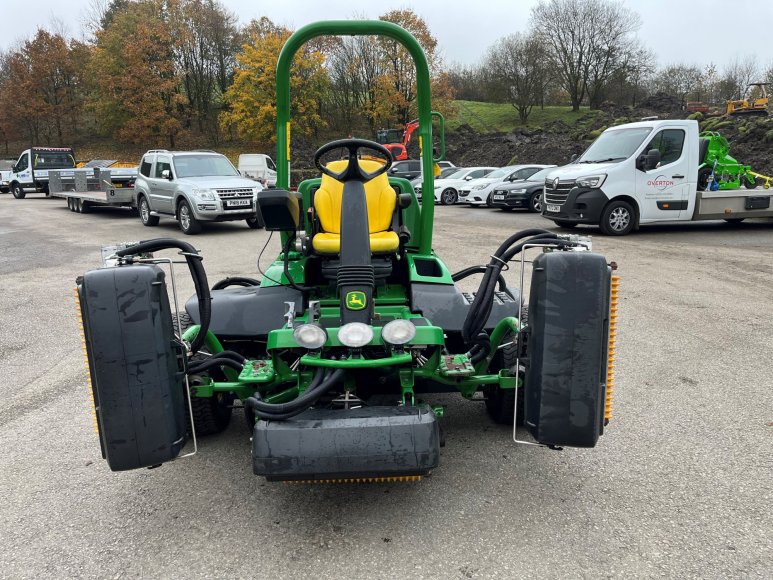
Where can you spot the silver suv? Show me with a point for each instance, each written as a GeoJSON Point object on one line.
{"type": "Point", "coordinates": [194, 187]}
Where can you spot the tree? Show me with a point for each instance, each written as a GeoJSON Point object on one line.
{"type": "Point", "coordinates": [679, 80]}
{"type": "Point", "coordinates": [587, 40]}
{"type": "Point", "coordinates": [251, 99]}
{"type": "Point", "coordinates": [518, 72]}
{"type": "Point", "coordinates": [137, 96]}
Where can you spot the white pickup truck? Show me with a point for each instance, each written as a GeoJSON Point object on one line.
{"type": "Point", "coordinates": [30, 172]}
{"type": "Point", "coordinates": [642, 173]}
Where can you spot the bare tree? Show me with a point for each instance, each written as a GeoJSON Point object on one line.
{"type": "Point", "coordinates": [517, 71]}
{"type": "Point", "coordinates": [679, 80]}
{"type": "Point", "coordinates": [587, 40]}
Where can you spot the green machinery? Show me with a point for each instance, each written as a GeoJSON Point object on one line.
{"type": "Point", "coordinates": [718, 169]}
{"type": "Point", "coordinates": [337, 355]}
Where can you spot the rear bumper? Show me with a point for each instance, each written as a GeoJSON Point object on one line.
{"type": "Point", "coordinates": [324, 444]}
{"type": "Point", "coordinates": [582, 206]}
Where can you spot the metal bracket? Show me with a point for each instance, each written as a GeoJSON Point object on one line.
{"type": "Point", "coordinates": [314, 311]}
{"type": "Point", "coordinates": [290, 314]}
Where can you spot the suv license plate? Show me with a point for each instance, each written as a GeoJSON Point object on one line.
{"type": "Point", "coordinates": [553, 208]}
{"type": "Point", "coordinates": [499, 198]}
{"type": "Point", "coordinates": [239, 202]}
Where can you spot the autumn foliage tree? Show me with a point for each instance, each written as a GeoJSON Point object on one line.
{"type": "Point", "coordinates": [251, 99]}
{"type": "Point", "coordinates": [137, 96]}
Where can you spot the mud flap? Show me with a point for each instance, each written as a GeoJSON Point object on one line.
{"type": "Point", "coordinates": [341, 444]}
{"type": "Point", "coordinates": [567, 348]}
{"type": "Point", "coordinates": [134, 362]}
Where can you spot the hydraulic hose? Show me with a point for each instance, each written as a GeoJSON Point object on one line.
{"type": "Point", "coordinates": [283, 411]}
{"type": "Point", "coordinates": [235, 281]}
{"type": "Point", "coordinates": [215, 362]}
{"type": "Point", "coordinates": [200, 283]}
{"type": "Point", "coordinates": [462, 274]}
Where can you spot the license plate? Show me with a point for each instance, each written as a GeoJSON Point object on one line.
{"type": "Point", "coordinates": [239, 202]}
{"type": "Point", "coordinates": [499, 198]}
{"type": "Point", "coordinates": [553, 208]}
{"type": "Point", "coordinates": [118, 185]}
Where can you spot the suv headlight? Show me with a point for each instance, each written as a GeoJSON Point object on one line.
{"type": "Point", "coordinates": [591, 180]}
{"type": "Point", "coordinates": [204, 194]}
{"type": "Point", "coordinates": [483, 186]}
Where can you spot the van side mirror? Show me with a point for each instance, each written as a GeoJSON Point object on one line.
{"type": "Point", "coordinates": [652, 159]}
{"type": "Point", "coordinates": [573, 157]}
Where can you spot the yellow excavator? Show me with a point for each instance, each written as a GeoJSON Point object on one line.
{"type": "Point", "coordinates": [747, 105]}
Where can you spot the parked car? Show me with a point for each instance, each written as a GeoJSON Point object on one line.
{"type": "Point", "coordinates": [411, 168]}
{"type": "Point", "coordinates": [524, 194]}
{"type": "Point", "coordinates": [478, 191]}
{"type": "Point", "coordinates": [447, 189]}
{"type": "Point", "coordinates": [445, 172]}
{"type": "Point", "coordinates": [194, 187]}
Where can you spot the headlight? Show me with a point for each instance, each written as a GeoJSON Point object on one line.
{"type": "Point", "coordinates": [355, 334]}
{"type": "Point", "coordinates": [591, 181]}
{"type": "Point", "coordinates": [204, 194]}
{"type": "Point", "coordinates": [477, 187]}
{"type": "Point", "coordinates": [398, 331]}
{"type": "Point", "coordinates": [310, 336]}
{"type": "Point", "coordinates": [518, 190]}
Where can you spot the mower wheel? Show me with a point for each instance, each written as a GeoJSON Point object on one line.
{"type": "Point", "coordinates": [449, 196]}
{"type": "Point", "coordinates": [749, 182]}
{"type": "Point", "coordinates": [500, 403]}
{"type": "Point", "coordinates": [18, 191]}
{"type": "Point", "coordinates": [211, 415]}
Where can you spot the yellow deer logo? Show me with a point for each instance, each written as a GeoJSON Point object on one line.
{"type": "Point", "coordinates": [356, 300]}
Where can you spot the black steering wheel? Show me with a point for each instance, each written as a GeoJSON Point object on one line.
{"type": "Point", "coordinates": [353, 171]}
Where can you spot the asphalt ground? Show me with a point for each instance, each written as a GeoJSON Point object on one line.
{"type": "Point", "coordinates": [679, 485]}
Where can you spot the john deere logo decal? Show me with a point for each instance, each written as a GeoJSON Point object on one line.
{"type": "Point", "coordinates": [356, 300]}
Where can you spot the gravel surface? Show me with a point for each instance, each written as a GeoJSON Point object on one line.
{"type": "Point", "coordinates": [679, 486]}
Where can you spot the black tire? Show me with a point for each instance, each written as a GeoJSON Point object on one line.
{"type": "Point", "coordinates": [500, 403]}
{"type": "Point", "coordinates": [189, 225]}
{"type": "Point", "coordinates": [618, 218]}
{"type": "Point", "coordinates": [489, 201]}
{"type": "Point", "coordinates": [565, 225]}
{"type": "Point", "coordinates": [734, 220]}
{"type": "Point", "coordinates": [18, 191]}
{"type": "Point", "coordinates": [749, 181]}
{"type": "Point", "coordinates": [143, 208]}
{"type": "Point", "coordinates": [535, 202]}
{"type": "Point", "coordinates": [255, 223]}
{"type": "Point", "coordinates": [449, 196]}
{"type": "Point", "coordinates": [78, 205]}
{"type": "Point", "coordinates": [211, 415]}
{"type": "Point", "coordinates": [85, 206]}
{"type": "Point", "coordinates": [703, 178]}
{"type": "Point", "coordinates": [69, 204]}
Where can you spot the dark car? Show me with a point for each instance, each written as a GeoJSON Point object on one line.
{"type": "Point", "coordinates": [525, 194]}
{"type": "Point", "coordinates": [411, 168]}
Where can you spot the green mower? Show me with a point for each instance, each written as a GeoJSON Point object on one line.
{"type": "Point", "coordinates": [335, 355]}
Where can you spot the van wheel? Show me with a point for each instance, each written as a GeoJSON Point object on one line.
{"type": "Point", "coordinates": [188, 223]}
{"type": "Point", "coordinates": [617, 219]}
{"type": "Point", "coordinates": [18, 191]}
{"type": "Point", "coordinates": [144, 210]}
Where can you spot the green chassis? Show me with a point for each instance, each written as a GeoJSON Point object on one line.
{"type": "Point", "coordinates": [276, 381]}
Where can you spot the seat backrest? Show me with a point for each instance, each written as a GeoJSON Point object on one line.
{"type": "Point", "coordinates": [381, 199]}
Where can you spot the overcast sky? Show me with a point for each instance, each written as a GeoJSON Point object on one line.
{"type": "Point", "coordinates": [690, 31]}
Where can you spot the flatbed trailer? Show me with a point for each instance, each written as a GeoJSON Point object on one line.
{"type": "Point", "coordinates": [94, 186]}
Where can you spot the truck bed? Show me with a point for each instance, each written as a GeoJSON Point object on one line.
{"type": "Point", "coordinates": [119, 196]}
{"type": "Point", "coordinates": [733, 204]}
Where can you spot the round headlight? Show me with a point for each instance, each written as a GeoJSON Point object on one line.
{"type": "Point", "coordinates": [310, 336]}
{"type": "Point", "coordinates": [355, 334]}
{"type": "Point", "coordinates": [398, 331]}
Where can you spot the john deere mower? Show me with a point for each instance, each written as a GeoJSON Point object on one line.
{"type": "Point", "coordinates": [336, 354]}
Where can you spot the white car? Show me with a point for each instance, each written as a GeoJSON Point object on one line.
{"type": "Point", "coordinates": [478, 191]}
{"type": "Point", "coordinates": [447, 189]}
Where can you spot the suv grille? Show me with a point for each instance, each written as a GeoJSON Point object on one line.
{"type": "Point", "coordinates": [240, 192]}
{"type": "Point", "coordinates": [557, 196]}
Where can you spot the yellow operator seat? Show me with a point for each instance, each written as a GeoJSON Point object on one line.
{"type": "Point", "coordinates": [380, 199]}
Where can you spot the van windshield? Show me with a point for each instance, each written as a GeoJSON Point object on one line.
{"type": "Point", "coordinates": [615, 146]}
{"type": "Point", "coordinates": [203, 166]}
{"type": "Point", "coordinates": [52, 160]}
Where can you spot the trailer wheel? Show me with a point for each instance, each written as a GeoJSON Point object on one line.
{"type": "Point", "coordinates": [188, 223]}
{"type": "Point", "coordinates": [618, 218]}
{"type": "Point", "coordinates": [69, 204]}
{"type": "Point", "coordinates": [500, 403]}
{"type": "Point", "coordinates": [211, 415]}
{"type": "Point", "coordinates": [78, 205]}
{"type": "Point", "coordinates": [85, 206]}
{"type": "Point", "coordinates": [18, 191]}
{"type": "Point", "coordinates": [143, 208]}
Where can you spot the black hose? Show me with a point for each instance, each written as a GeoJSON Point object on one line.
{"type": "Point", "coordinates": [235, 281]}
{"type": "Point", "coordinates": [462, 274]}
{"type": "Point", "coordinates": [215, 362]}
{"type": "Point", "coordinates": [230, 354]}
{"type": "Point", "coordinates": [283, 411]}
{"type": "Point", "coordinates": [200, 283]}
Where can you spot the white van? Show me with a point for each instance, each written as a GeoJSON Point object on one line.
{"type": "Point", "coordinates": [259, 167]}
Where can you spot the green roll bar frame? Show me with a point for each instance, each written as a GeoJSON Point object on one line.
{"type": "Point", "coordinates": [360, 28]}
